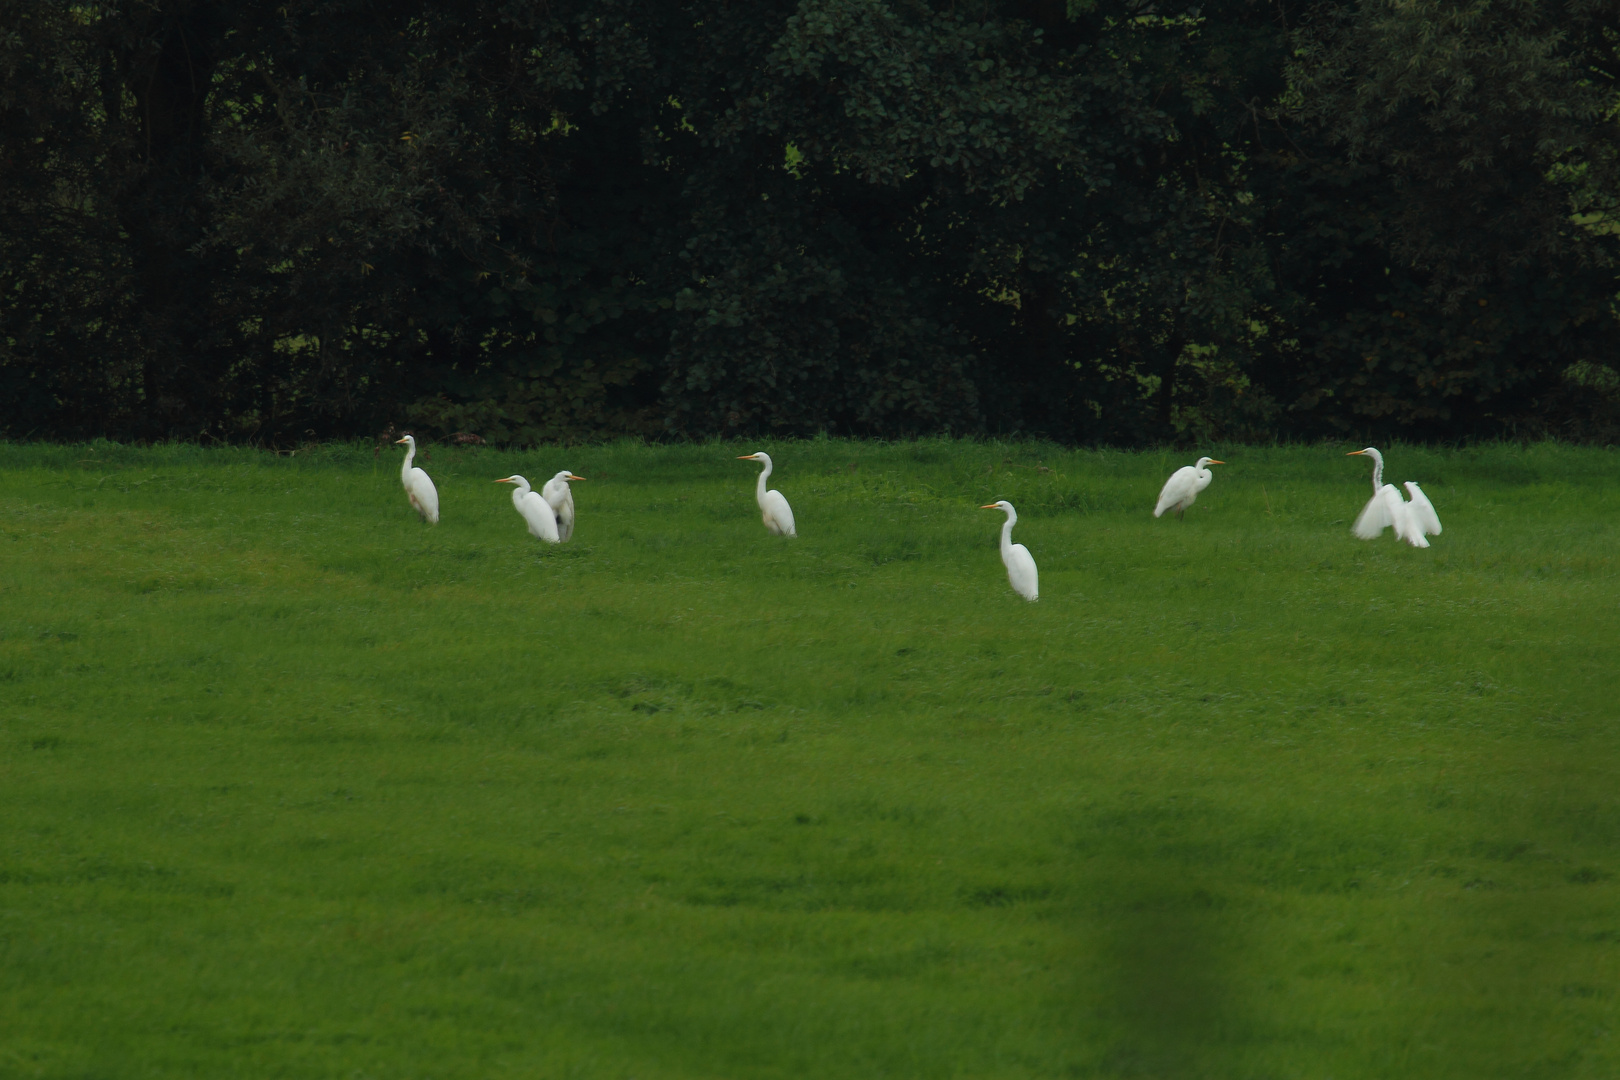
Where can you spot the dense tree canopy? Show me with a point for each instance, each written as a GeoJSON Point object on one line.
{"type": "Point", "coordinates": [1095, 220]}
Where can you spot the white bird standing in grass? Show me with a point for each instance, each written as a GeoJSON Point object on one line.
{"type": "Point", "coordinates": [773, 507]}
{"type": "Point", "coordinates": [1413, 521]}
{"type": "Point", "coordinates": [1181, 490]}
{"type": "Point", "coordinates": [423, 495]}
{"type": "Point", "coordinates": [536, 511]}
{"type": "Point", "coordinates": [1019, 562]}
{"type": "Point", "coordinates": [560, 497]}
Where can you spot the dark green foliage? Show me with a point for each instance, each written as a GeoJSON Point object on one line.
{"type": "Point", "coordinates": [1098, 221]}
{"type": "Point", "coordinates": [1470, 194]}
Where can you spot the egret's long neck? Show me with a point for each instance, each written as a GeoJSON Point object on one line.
{"type": "Point", "coordinates": [1378, 470]}
{"type": "Point", "coordinates": [759, 488]}
{"type": "Point", "coordinates": [1006, 531]}
{"type": "Point", "coordinates": [410, 454]}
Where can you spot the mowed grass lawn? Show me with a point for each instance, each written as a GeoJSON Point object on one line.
{"type": "Point", "coordinates": [293, 785]}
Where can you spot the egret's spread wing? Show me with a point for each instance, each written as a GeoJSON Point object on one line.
{"type": "Point", "coordinates": [778, 513]}
{"type": "Point", "coordinates": [1375, 516]}
{"type": "Point", "coordinates": [1409, 530]}
{"type": "Point", "coordinates": [1401, 519]}
{"type": "Point", "coordinates": [1422, 510]}
{"type": "Point", "coordinates": [1181, 487]}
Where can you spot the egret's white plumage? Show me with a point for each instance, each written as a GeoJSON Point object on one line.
{"type": "Point", "coordinates": [1181, 490]}
{"type": "Point", "coordinates": [1016, 557]}
{"type": "Point", "coordinates": [773, 507]}
{"type": "Point", "coordinates": [423, 495]}
{"type": "Point", "coordinates": [560, 497]}
{"type": "Point", "coordinates": [1421, 509]}
{"type": "Point", "coordinates": [1413, 521]}
{"type": "Point", "coordinates": [536, 512]}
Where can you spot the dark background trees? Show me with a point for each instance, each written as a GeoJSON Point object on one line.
{"type": "Point", "coordinates": [1089, 220]}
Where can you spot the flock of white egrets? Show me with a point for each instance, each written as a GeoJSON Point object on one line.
{"type": "Point", "coordinates": [549, 513]}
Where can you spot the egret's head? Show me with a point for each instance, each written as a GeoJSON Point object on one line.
{"type": "Point", "coordinates": [566, 476]}
{"type": "Point", "coordinates": [1203, 461]}
{"type": "Point", "coordinates": [407, 440]}
{"type": "Point", "coordinates": [1369, 451]}
{"type": "Point", "coordinates": [1000, 504]}
{"type": "Point", "coordinates": [761, 457]}
{"type": "Point", "coordinates": [518, 480]}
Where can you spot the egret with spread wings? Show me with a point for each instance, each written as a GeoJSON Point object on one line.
{"type": "Point", "coordinates": [1413, 521]}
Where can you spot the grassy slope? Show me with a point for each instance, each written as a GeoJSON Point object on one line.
{"type": "Point", "coordinates": [294, 786]}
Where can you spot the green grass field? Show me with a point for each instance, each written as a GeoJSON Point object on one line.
{"type": "Point", "coordinates": [292, 785]}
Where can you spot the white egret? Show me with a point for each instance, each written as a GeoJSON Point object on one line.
{"type": "Point", "coordinates": [1181, 490]}
{"type": "Point", "coordinates": [1386, 509]}
{"type": "Point", "coordinates": [1019, 562]}
{"type": "Point", "coordinates": [773, 507]}
{"type": "Point", "coordinates": [535, 510]}
{"type": "Point", "coordinates": [560, 497]}
{"type": "Point", "coordinates": [423, 495]}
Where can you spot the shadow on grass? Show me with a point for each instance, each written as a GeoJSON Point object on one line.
{"type": "Point", "coordinates": [1164, 946]}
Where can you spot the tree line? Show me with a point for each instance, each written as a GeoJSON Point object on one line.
{"type": "Point", "coordinates": [1106, 221]}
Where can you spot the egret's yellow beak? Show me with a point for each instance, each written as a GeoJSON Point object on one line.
{"type": "Point", "coordinates": [571, 476]}
{"type": "Point", "coordinates": [506, 480]}
{"type": "Point", "coordinates": [1353, 453]}
{"type": "Point", "coordinates": [746, 457]}
{"type": "Point", "coordinates": [398, 441]}
{"type": "Point", "coordinates": [1212, 461]}
{"type": "Point", "coordinates": [990, 506]}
